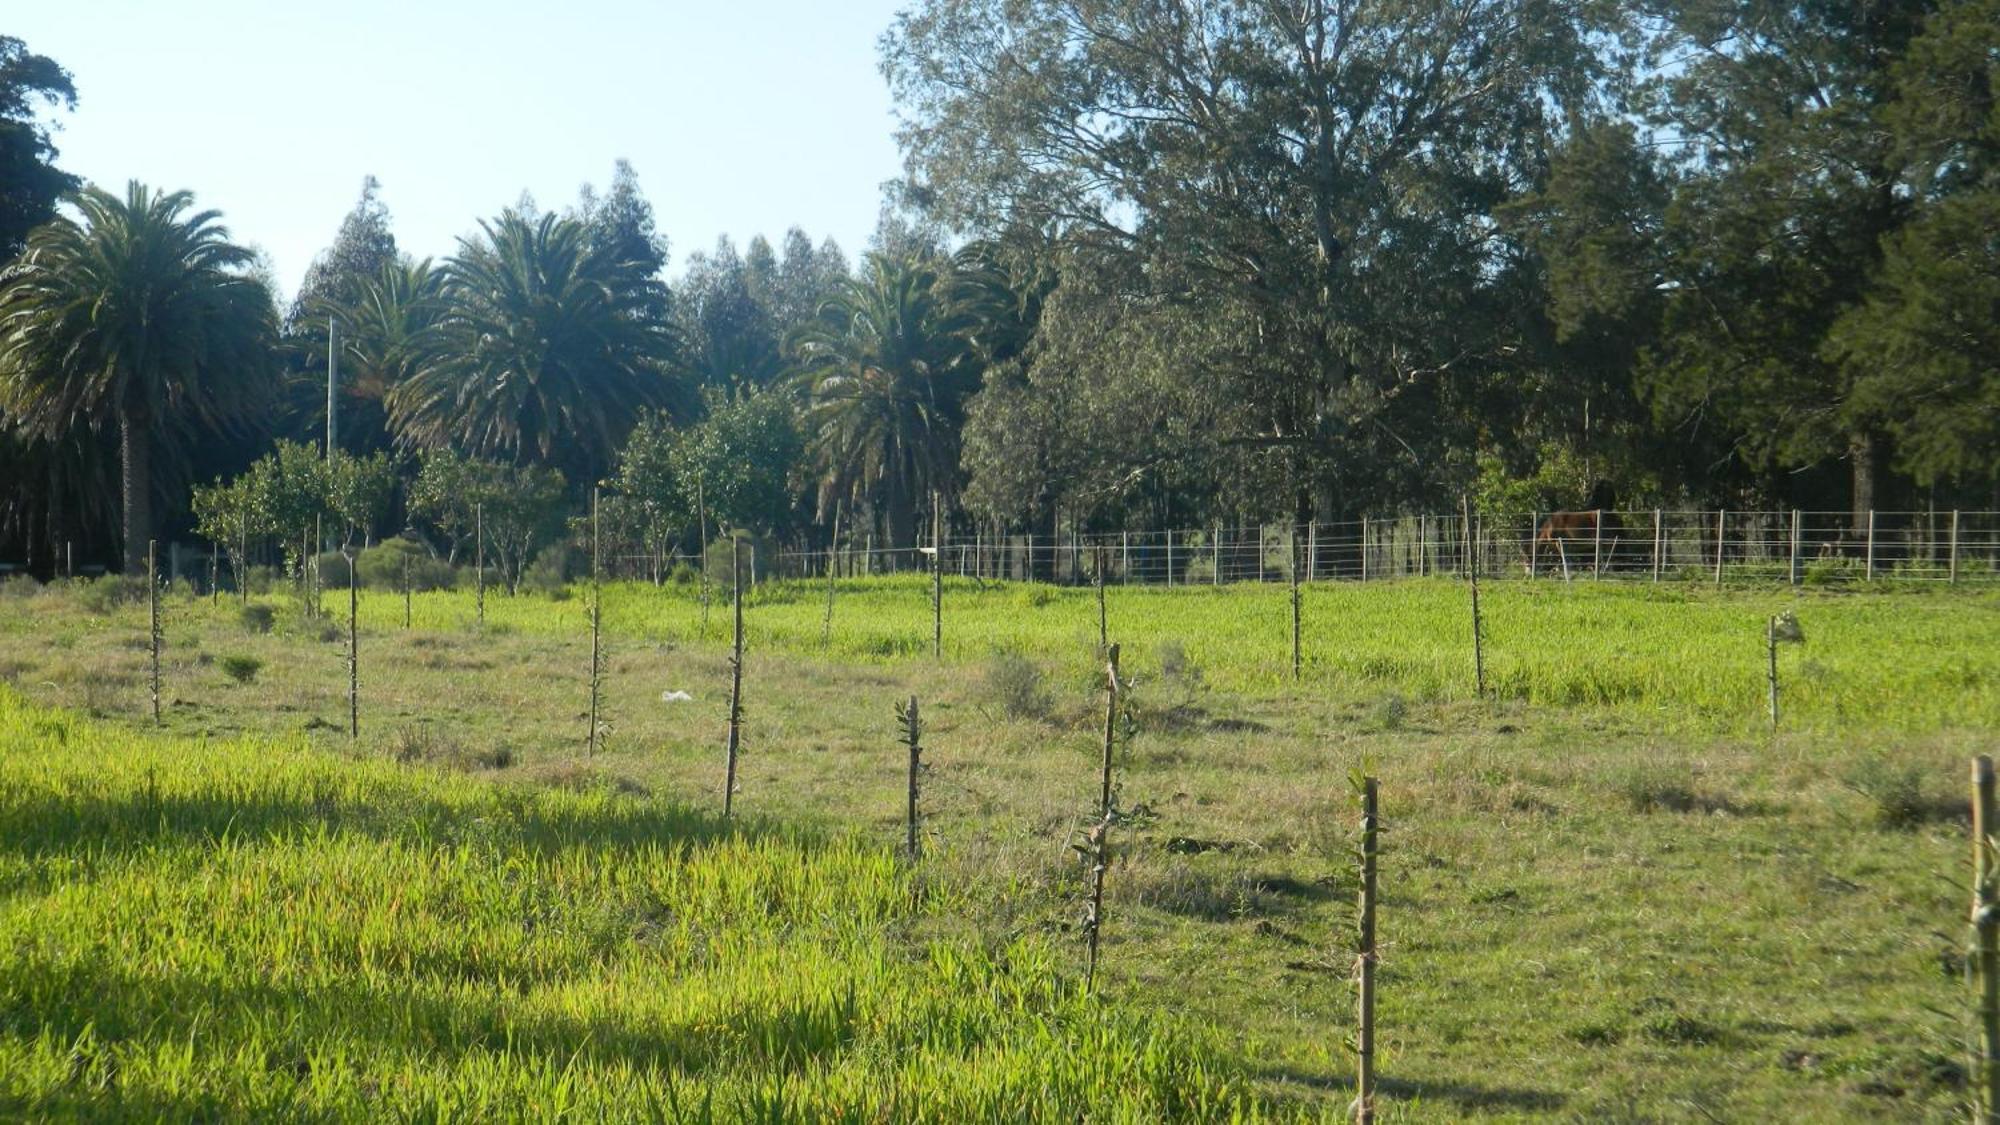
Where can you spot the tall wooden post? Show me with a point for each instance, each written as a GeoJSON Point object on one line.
{"type": "Point", "coordinates": [1771, 651]}
{"type": "Point", "coordinates": [1170, 557]}
{"type": "Point", "coordinates": [479, 562]}
{"type": "Point", "coordinates": [1312, 550]}
{"type": "Point", "coordinates": [912, 738]}
{"type": "Point", "coordinates": [1215, 557]}
{"type": "Point", "coordinates": [735, 680]}
{"type": "Point", "coordinates": [596, 626]}
{"type": "Point", "coordinates": [153, 623]}
{"type": "Point", "coordinates": [1103, 637]}
{"type": "Point", "coordinates": [1534, 543]}
{"type": "Point", "coordinates": [937, 578]}
{"type": "Point", "coordinates": [832, 564]}
{"type": "Point", "coordinates": [1295, 602]}
{"type": "Point", "coordinates": [1597, 543]}
{"type": "Point", "coordinates": [1659, 541]}
{"type": "Point", "coordinates": [406, 590]}
{"type": "Point", "coordinates": [1986, 933]}
{"type": "Point", "coordinates": [1365, 959]}
{"type": "Point", "coordinates": [1364, 548]}
{"type": "Point", "coordinates": [1952, 559]}
{"type": "Point", "coordinates": [353, 648]}
{"type": "Point", "coordinates": [1101, 834]}
{"type": "Point", "coordinates": [1797, 533]}
{"type": "Point", "coordinates": [1478, 642]}
{"type": "Point", "coordinates": [1871, 545]}
{"type": "Point", "coordinates": [1721, 538]}
{"type": "Point", "coordinates": [242, 566]}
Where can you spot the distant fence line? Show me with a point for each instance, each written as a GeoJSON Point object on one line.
{"type": "Point", "coordinates": [1650, 544]}
{"type": "Point", "coordinates": [1653, 544]}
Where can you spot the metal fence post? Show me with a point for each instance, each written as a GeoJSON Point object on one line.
{"type": "Point", "coordinates": [1952, 559]}
{"type": "Point", "coordinates": [1721, 537]}
{"type": "Point", "coordinates": [1870, 573]}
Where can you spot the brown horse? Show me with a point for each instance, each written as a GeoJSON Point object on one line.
{"type": "Point", "coordinates": [1570, 541]}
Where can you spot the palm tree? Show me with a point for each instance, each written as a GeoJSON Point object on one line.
{"type": "Point", "coordinates": [547, 348]}
{"type": "Point", "coordinates": [142, 315]}
{"type": "Point", "coordinates": [890, 364]}
{"type": "Point", "coordinates": [387, 329]}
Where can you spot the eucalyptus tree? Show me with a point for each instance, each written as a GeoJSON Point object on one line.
{"type": "Point", "coordinates": [138, 314]}
{"type": "Point", "coordinates": [888, 365]}
{"type": "Point", "coordinates": [1304, 186]}
{"type": "Point", "coordinates": [547, 348]}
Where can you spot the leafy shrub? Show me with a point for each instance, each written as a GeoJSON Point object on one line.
{"type": "Point", "coordinates": [755, 559]}
{"type": "Point", "coordinates": [1391, 711]}
{"type": "Point", "coordinates": [381, 566]}
{"type": "Point", "coordinates": [19, 586]}
{"type": "Point", "coordinates": [242, 669]}
{"type": "Point", "coordinates": [1014, 683]}
{"type": "Point", "coordinates": [1176, 667]}
{"type": "Point", "coordinates": [550, 572]}
{"type": "Point", "coordinates": [257, 618]}
{"type": "Point", "coordinates": [106, 594]}
{"type": "Point", "coordinates": [1898, 792]}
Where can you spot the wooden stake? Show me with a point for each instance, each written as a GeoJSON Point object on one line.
{"type": "Point", "coordinates": [1659, 541]}
{"type": "Point", "coordinates": [1534, 543]}
{"type": "Point", "coordinates": [1721, 538]}
{"type": "Point", "coordinates": [912, 737]}
{"type": "Point", "coordinates": [479, 561]}
{"type": "Point", "coordinates": [1985, 964]}
{"type": "Point", "coordinates": [596, 626]}
{"type": "Point", "coordinates": [1952, 563]}
{"type": "Point", "coordinates": [1365, 960]}
{"type": "Point", "coordinates": [735, 680]}
{"type": "Point", "coordinates": [832, 554]}
{"type": "Point", "coordinates": [243, 560]}
{"type": "Point", "coordinates": [214, 572]}
{"type": "Point", "coordinates": [153, 622]}
{"type": "Point", "coordinates": [353, 649]}
{"type": "Point", "coordinates": [1871, 545]}
{"type": "Point", "coordinates": [1478, 643]}
{"type": "Point", "coordinates": [1771, 647]}
{"type": "Point", "coordinates": [406, 590]}
{"type": "Point", "coordinates": [1100, 562]}
{"type": "Point", "coordinates": [1215, 558]}
{"type": "Point", "coordinates": [1295, 602]}
{"type": "Point", "coordinates": [1111, 689]}
{"type": "Point", "coordinates": [1364, 548]}
{"type": "Point", "coordinates": [1797, 531]}
{"type": "Point", "coordinates": [937, 578]}
{"type": "Point", "coordinates": [1100, 836]}
{"type": "Point", "coordinates": [1597, 543]}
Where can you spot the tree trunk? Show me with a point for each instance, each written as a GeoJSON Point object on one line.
{"type": "Point", "coordinates": [1861, 451]}
{"type": "Point", "coordinates": [135, 448]}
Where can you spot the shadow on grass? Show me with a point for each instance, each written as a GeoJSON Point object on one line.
{"type": "Point", "coordinates": [41, 822]}
{"type": "Point", "coordinates": [1464, 1095]}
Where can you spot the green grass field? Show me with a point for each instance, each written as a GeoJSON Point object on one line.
{"type": "Point", "coordinates": [1609, 894]}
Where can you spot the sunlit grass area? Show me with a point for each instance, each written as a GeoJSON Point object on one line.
{"type": "Point", "coordinates": [1598, 904]}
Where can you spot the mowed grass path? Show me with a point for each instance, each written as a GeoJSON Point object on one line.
{"type": "Point", "coordinates": [1640, 909]}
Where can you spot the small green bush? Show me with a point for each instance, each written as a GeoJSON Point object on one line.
{"type": "Point", "coordinates": [755, 558]}
{"type": "Point", "coordinates": [1898, 792]}
{"type": "Point", "coordinates": [550, 572]}
{"type": "Point", "coordinates": [1014, 683]}
{"type": "Point", "coordinates": [381, 567]}
{"type": "Point", "coordinates": [242, 669]}
{"type": "Point", "coordinates": [258, 618]}
{"type": "Point", "coordinates": [108, 593]}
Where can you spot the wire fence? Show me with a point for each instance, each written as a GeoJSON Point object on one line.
{"type": "Point", "coordinates": [1655, 545]}
{"type": "Point", "coordinates": [1649, 545]}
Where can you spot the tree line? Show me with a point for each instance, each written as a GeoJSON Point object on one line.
{"type": "Point", "coordinates": [1150, 264]}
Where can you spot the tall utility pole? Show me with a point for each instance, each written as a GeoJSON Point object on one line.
{"type": "Point", "coordinates": [332, 377]}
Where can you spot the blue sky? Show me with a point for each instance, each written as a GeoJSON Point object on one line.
{"type": "Point", "coordinates": [739, 118]}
